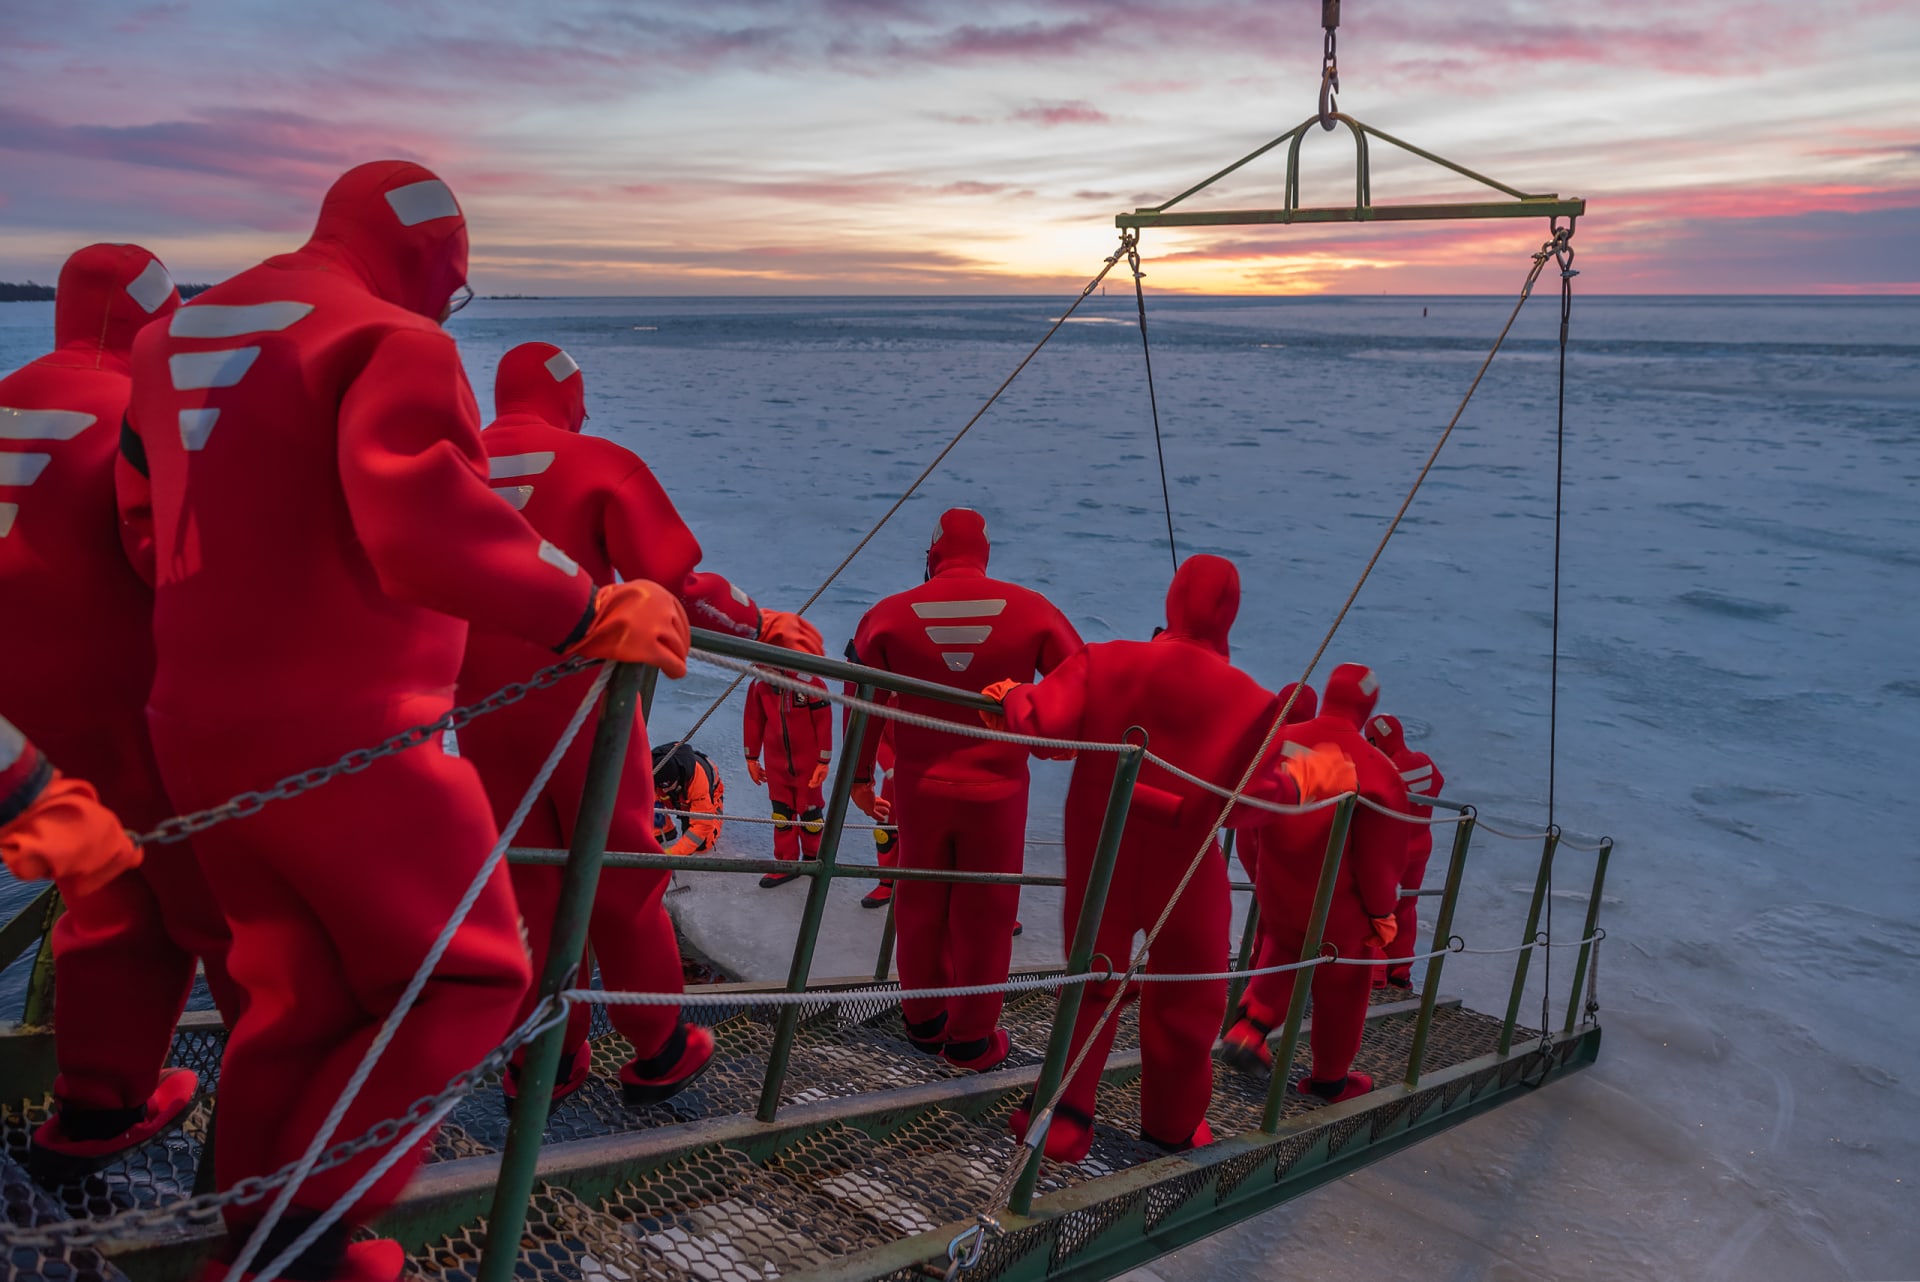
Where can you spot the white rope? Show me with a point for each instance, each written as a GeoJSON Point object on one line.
{"type": "Point", "coordinates": [1423, 821]}
{"type": "Point", "coordinates": [419, 981]}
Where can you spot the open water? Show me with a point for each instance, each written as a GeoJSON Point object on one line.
{"type": "Point", "coordinates": [1738, 686]}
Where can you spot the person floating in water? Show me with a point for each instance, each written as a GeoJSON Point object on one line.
{"type": "Point", "coordinates": [1208, 718]}
{"type": "Point", "coordinates": [960, 803]}
{"type": "Point", "coordinates": [795, 731]}
{"type": "Point", "coordinates": [1290, 851]}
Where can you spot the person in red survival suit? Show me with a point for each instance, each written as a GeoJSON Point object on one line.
{"type": "Point", "coordinates": [601, 506]}
{"type": "Point", "coordinates": [306, 477]}
{"type": "Point", "coordinates": [1360, 921]}
{"type": "Point", "coordinates": [1208, 718]}
{"type": "Point", "coordinates": [1306, 706]}
{"type": "Point", "coordinates": [76, 659]}
{"type": "Point", "coordinates": [796, 730]}
{"type": "Point", "coordinates": [958, 803]}
{"type": "Point", "coordinates": [1423, 779]}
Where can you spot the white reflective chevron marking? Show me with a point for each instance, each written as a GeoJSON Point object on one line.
{"type": "Point", "coordinates": [1382, 726]}
{"type": "Point", "coordinates": [958, 609]}
{"type": "Point", "coordinates": [22, 469]}
{"type": "Point", "coordinates": [8, 511]}
{"type": "Point", "coordinates": [1418, 773]}
{"type": "Point", "coordinates": [512, 465]}
{"type": "Point", "coordinates": [43, 425]}
{"type": "Point", "coordinates": [422, 202]}
{"type": "Point", "coordinates": [151, 287]}
{"type": "Point", "coordinates": [214, 320]}
{"type": "Point", "coordinates": [562, 367]}
{"type": "Point", "coordinates": [956, 660]}
{"type": "Point", "coordinates": [195, 425]}
{"type": "Point", "coordinates": [1369, 684]}
{"type": "Point", "coordinates": [559, 560]}
{"type": "Point", "coordinates": [195, 370]}
{"type": "Point", "coordinates": [517, 495]}
{"type": "Point", "coordinates": [959, 636]}
{"type": "Point", "coordinates": [12, 742]}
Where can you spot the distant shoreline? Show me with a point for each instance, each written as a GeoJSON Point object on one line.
{"type": "Point", "coordinates": [29, 292]}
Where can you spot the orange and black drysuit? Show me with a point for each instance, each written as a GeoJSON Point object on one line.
{"type": "Point", "coordinates": [795, 731]}
{"type": "Point", "coordinates": [1423, 779]}
{"type": "Point", "coordinates": [959, 803]}
{"type": "Point", "coordinates": [602, 507]}
{"type": "Point", "coordinates": [305, 467]}
{"type": "Point", "coordinates": [1208, 718]}
{"type": "Point", "coordinates": [1290, 851]}
{"type": "Point", "coordinates": [684, 778]}
{"type": "Point", "coordinates": [76, 661]}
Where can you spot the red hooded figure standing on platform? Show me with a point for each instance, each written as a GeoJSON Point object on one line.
{"type": "Point", "coordinates": [1360, 920]}
{"type": "Point", "coordinates": [76, 661]}
{"type": "Point", "coordinates": [600, 505]}
{"type": "Point", "coordinates": [305, 474]}
{"type": "Point", "coordinates": [1208, 718]}
{"type": "Point", "coordinates": [796, 732]}
{"type": "Point", "coordinates": [958, 803]}
{"type": "Point", "coordinates": [1423, 779]}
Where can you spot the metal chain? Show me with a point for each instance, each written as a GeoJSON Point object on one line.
{"type": "Point", "coordinates": [205, 1209]}
{"type": "Point", "coordinates": [1329, 64]}
{"type": "Point", "coordinates": [181, 827]}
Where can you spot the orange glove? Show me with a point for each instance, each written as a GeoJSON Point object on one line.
{"type": "Point", "coordinates": [818, 777]}
{"type": "Point", "coordinates": [1383, 932]}
{"type": "Point", "coordinates": [756, 771]}
{"type": "Point", "coordinates": [1324, 772]}
{"type": "Point", "coordinates": [637, 622]}
{"type": "Point", "coordinates": [790, 632]}
{"type": "Point", "coordinates": [997, 692]}
{"type": "Point", "coordinates": [66, 834]}
{"type": "Point", "coordinates": [874, 807]}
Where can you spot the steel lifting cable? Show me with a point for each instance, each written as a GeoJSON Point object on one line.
{"type": "Point", "coordinates": [1131, 240]}
{"type": "Point", "coordinates": [1042, 1112]}
{"type": "Point", "coordinates": [925, 472]}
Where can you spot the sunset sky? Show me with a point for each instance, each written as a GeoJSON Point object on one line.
{"type": "Point", "coordinates": [896, 146]}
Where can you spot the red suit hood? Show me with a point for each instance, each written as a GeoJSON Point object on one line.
{"type": "Point", "coordinates": [959, 542]}
{"type": "Point", "coordinates": [1203, 602]}
{"type": "Point", "coordinates": [1387, 734]}
{"type": "Point", "coordinates": [397, 227]}
{"type": "Point", "coordinates": [106, 294]}
{"type": "Point", "coordinates": [541, 380]}
{"type": "Point", "coordinates": [1352, 690]}
{"type": "Point", "coordinates": [1305, 708]}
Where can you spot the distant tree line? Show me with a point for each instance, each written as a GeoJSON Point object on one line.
{"type": "Point", "coordinates": [32, 293]}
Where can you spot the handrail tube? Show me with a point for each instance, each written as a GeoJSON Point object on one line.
{"type": "Point", "coordinates": [1086, 931]}
{"type": "Point", "coordinates": [1540, 883]}
{"type": "Point", "coordinates": [1309, 948]}
{"type": "Point", "coordinates": [883, 966]}
{"type": "Point", "coordinates": [1209, 181]}
{"type": "Point", "coordinates": [810, 915]}
{"type": "Point", "coordinates": [38, 1011]}
{"type": "Point", "coordinates": [1442, 933]}
{"type": "Point", "coordinates": [26, 928]}
{"type": "Point", "coordinates": [836, 670]}
{"type": "Point", "coordinates": [1586, 933]}
{"type": "Point", "coordinates": [1243, 957]}
{"type": "Point", "coordinates": [528, 1127]}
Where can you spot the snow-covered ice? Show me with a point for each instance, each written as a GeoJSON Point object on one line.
{"type": "Point", "coordinates": [1738, 683]}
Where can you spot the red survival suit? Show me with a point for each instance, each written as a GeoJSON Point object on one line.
{"type": "Point", "coordinates": [1207, 717]}
{"type": "Point", "coordinates": [796, 732]}
{"type": "Point", "coordinates": [322, 531]}
{"type": "Point", "coordinates": [1423, 779]}
{"type": "Point", "coordinates": [76, 661]}
{"type": "Point", "coordinates": [958, 803]}
{"type": "Point", "coordinates": [601, 506]}
{"type": "Point", "coordinates": [1290, 850]}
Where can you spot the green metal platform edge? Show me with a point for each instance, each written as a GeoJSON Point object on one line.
{"type": "Point", "coordinates": [1106, 1226]}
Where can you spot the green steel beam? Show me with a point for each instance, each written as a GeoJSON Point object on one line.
{"type": "Point", "coordinates": [535, 1098]}
{"type": "Point", "coordinates": [1309, 947]}
{"type": "Point", "coordinates": [25, 929]}
{"type": "Point", "coordinates": [816, 907]}
{"type": "Point", "coordinates": [38, 1012]}
{"type": "Point", "coordinates": [1586, 934]}
{"type": "Point", "coordinates": [1542, 884]}
{"type": "Point", "coordinates": [1549, 207]}
{"type": "Point", "coordinates": [1442, 934]}
{"type": "Point", "coordinates": [1086, 931]}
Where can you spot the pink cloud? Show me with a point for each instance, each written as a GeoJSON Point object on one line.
{"type": "Point", "coordinates": [1075, 112]}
